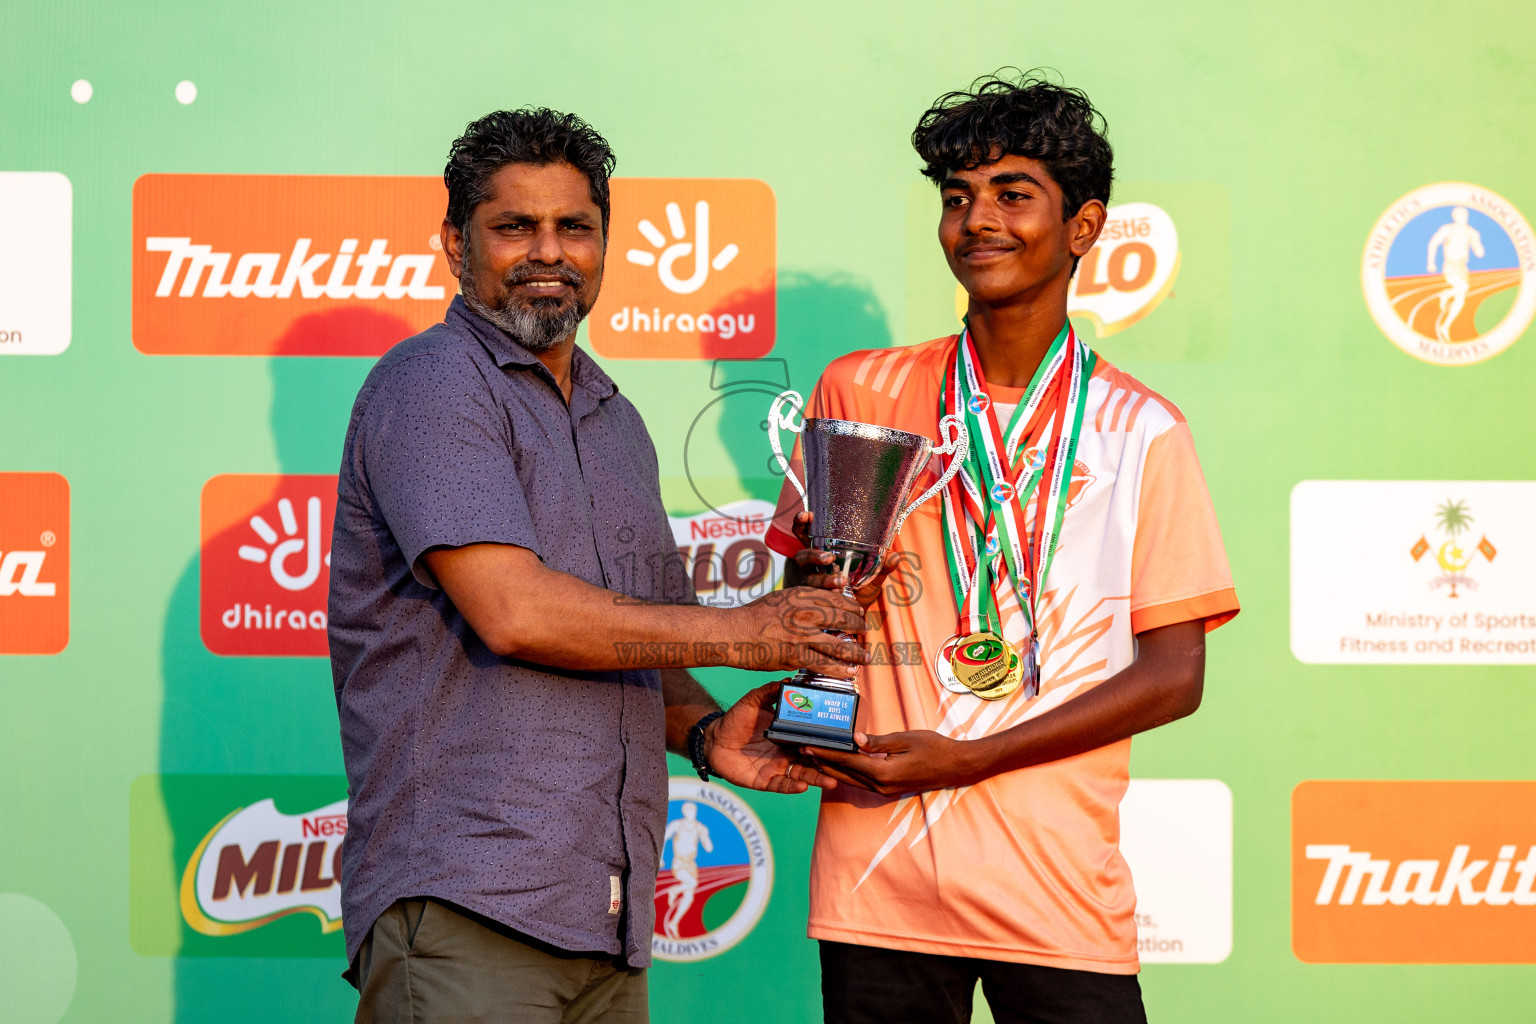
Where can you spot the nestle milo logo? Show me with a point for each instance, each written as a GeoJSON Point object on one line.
{"type": "Point", "coordinates": [254, 865]}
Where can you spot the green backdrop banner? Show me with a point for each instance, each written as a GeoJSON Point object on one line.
{"type": "Point", "coordinates": [213, 218]}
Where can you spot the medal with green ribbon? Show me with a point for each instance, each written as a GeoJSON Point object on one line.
{"type": "Point", "coordinates": [987, 543]}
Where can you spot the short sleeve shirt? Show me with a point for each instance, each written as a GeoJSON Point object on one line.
{"type": "Point", "coordinates": [533, 796]}
{"type": "Point", "coordinates": [1139, 549]}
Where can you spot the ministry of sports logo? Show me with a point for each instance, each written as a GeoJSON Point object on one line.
{"type": "Point", "coordinates": [1448, 274]}
{"type": "Point", "coordinates": [716, 872]}
{"type": "Point", "coordinates": [1455, 552]}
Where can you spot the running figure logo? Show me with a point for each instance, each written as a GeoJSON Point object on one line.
{"type": "Point", "coordinates": [1449, 274]}
{"type": "Point", "coordinates": [1458, 240]}
{"type": "Point", "coordinates": [716, 872]}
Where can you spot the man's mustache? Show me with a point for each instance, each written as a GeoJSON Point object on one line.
{"type": "Point", "coordinates": [525, 271]}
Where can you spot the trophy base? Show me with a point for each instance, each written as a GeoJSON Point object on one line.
{"type": "Point", "coordinates": [816, 711]}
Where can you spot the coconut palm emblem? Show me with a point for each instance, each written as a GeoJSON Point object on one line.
{"type": "Point", "coordinates": [1454, 519]}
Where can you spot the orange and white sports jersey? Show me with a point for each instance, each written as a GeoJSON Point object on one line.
{"type": "Point", "coordinates": [1024, 866]}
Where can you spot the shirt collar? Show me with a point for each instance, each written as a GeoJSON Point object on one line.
{"type": "Point", "coordinates": [585, 373]}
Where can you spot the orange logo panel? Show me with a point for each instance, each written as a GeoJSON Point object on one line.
{"type": "Point", "coordinates": [1414, 872]}
{"type": "Point", "coordinates": [690, 272]}
{"type": "Point", "coordinates": [263, 265]}
{"type": "Point", "coordinates": [34, 563]}
{"type": "Point", "coordinates": [266, 564]}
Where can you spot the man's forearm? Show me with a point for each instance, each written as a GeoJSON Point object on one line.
{"type": "Point", "coordinates": [522, 609]}
{"type": "Point", "coordinates": [555, 619]}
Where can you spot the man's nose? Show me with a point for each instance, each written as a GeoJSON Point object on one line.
{"type": "Point", "coordinates": [546, 246]}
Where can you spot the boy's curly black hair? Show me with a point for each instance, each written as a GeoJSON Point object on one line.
{"type": "Point", "coordinates": [1024, 115]}
{"type": "Point", "coordinates": [531, 135]}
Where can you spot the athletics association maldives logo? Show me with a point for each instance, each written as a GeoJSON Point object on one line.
{"type": "Point", "coordinates": [34, 563]}
{"type": "Point", "coordinates": [1448, 274]}
{"type": "Point", "coordinates": [266, 558]}
{"type": "Point", "coordinates": [716, 872]}
{"type": "Point", "coordinates": [1455, 552]}
{"type": "Point", "coordinates": [248, 264]}
{"type": "Point", "coordinates": [691, 273]}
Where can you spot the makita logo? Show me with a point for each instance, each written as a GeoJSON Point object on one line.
{"type": "Point", "coordinates": [372, 274]}
{"type": "Point", "coordinates": [34, 563]}
{"type": "Point", "coordinates": [1353, 874]}
{"type": "Point", "coordinates": [20, 572]}
{"type": "Point", "coordinates": [282, 265]}
{"type": "Point", "coordinates": [1413, 872]}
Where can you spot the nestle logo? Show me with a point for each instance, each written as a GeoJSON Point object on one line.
{"type": "Point", "coordinates": [715, 529]}
{"type": "Point", "coordinates": [324, 825]}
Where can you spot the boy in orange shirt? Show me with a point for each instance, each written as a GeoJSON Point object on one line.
{"type": "Point", "coordinates": [1061, 591]}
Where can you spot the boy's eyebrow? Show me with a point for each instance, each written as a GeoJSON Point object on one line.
{"type": "Point", "coordinates": [1014, 177]}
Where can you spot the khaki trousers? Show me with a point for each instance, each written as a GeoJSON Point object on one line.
{"type": "Point", "coordinates": [426, 962]}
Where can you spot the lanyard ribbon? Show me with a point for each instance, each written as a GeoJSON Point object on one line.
{"type": "Point", "coordinates": [985, 507]}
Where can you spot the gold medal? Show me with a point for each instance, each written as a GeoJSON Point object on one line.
{"type": "Point", "coordinates": [1012, 678]}
{"type": "Point", "coordinates": [981, 661]}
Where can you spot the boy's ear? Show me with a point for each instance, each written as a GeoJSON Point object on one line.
{"type": "Point", "coordinates": [1086, 224]}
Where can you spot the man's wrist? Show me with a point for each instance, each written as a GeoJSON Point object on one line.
{"type": "Point", "coordinates": [701, 742]}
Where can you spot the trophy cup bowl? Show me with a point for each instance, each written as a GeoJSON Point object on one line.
{"type": "Point", "coordinates": [857, 478]}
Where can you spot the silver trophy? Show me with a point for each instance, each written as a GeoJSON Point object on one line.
{"type": "Point", "coordinates": [857, 478]}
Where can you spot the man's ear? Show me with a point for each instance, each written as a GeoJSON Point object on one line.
{"type": "Point", "coordinates": [453, 246]}
{"type": "Point", "coordinates": [1085, 227]}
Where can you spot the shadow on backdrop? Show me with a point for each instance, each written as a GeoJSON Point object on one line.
{"type": "Point", "coordinates": [820, 317]}
{"type": "Point", "coordinates": [248, 726]}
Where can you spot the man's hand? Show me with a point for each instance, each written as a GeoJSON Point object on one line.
{"type": "Point", "coordinates": [903, 762]}
{"type": "Point", "coordinates": [740, 754]}
{"type": "Point", "coordinates": [788, 632]}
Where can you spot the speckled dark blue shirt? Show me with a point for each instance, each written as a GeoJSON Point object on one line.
{"type": "Point", "coordinates": [513, 790]}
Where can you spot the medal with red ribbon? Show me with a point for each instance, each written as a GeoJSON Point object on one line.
{"type": "Point", "coordinates": [990, 543]}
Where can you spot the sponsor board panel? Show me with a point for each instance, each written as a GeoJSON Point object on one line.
{"type": "Point", "coordinates": [716, 872]}
{"type": "Point", "coordinates": [724, 551]}
{"type": "Point", "coordinates": [265, 563]}
{"type": "Point", "coordinates": [1414, 572]}
{"type": "Point", "coordinates": [302, 265]}
{"type": "Point", "coordinates": [236, 865]}
{"type": "Point", "coordinates": [1413, 872]}
{"type": "Point", "coordinates": [34, 563]}
{"type": "Point", "coordinates": [36, 262]}
{"type": "Point", "coordinates": [1449, 274]}
{"type": "Point", "coordinates": [1176, 835]}
{"type": "Point", "coordinates": [691, 270]}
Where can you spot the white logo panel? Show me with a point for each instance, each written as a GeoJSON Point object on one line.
{"type": "Point", "coordinates": [1176, 834]}
{"type": "Point", "coordinates": [1413, 572]}
{"type": "Point", "coordinates": [36, 233]}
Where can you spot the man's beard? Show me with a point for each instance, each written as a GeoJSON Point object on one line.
{"type": "Point", "coordinates": [540, 324]}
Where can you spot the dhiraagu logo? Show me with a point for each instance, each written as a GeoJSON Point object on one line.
{"type": "Point", "coordinates": [716, 872]}
{"type": "Point", "coordinates": [691, 270]}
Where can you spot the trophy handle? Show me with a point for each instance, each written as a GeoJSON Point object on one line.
{"type": "Point", "coordinates": [957, 445]}
{"type": "Point", "coordinates": [776, 420]}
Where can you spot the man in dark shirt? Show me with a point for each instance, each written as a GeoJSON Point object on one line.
{"type": "Point", "coordinates": [500, 557]}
